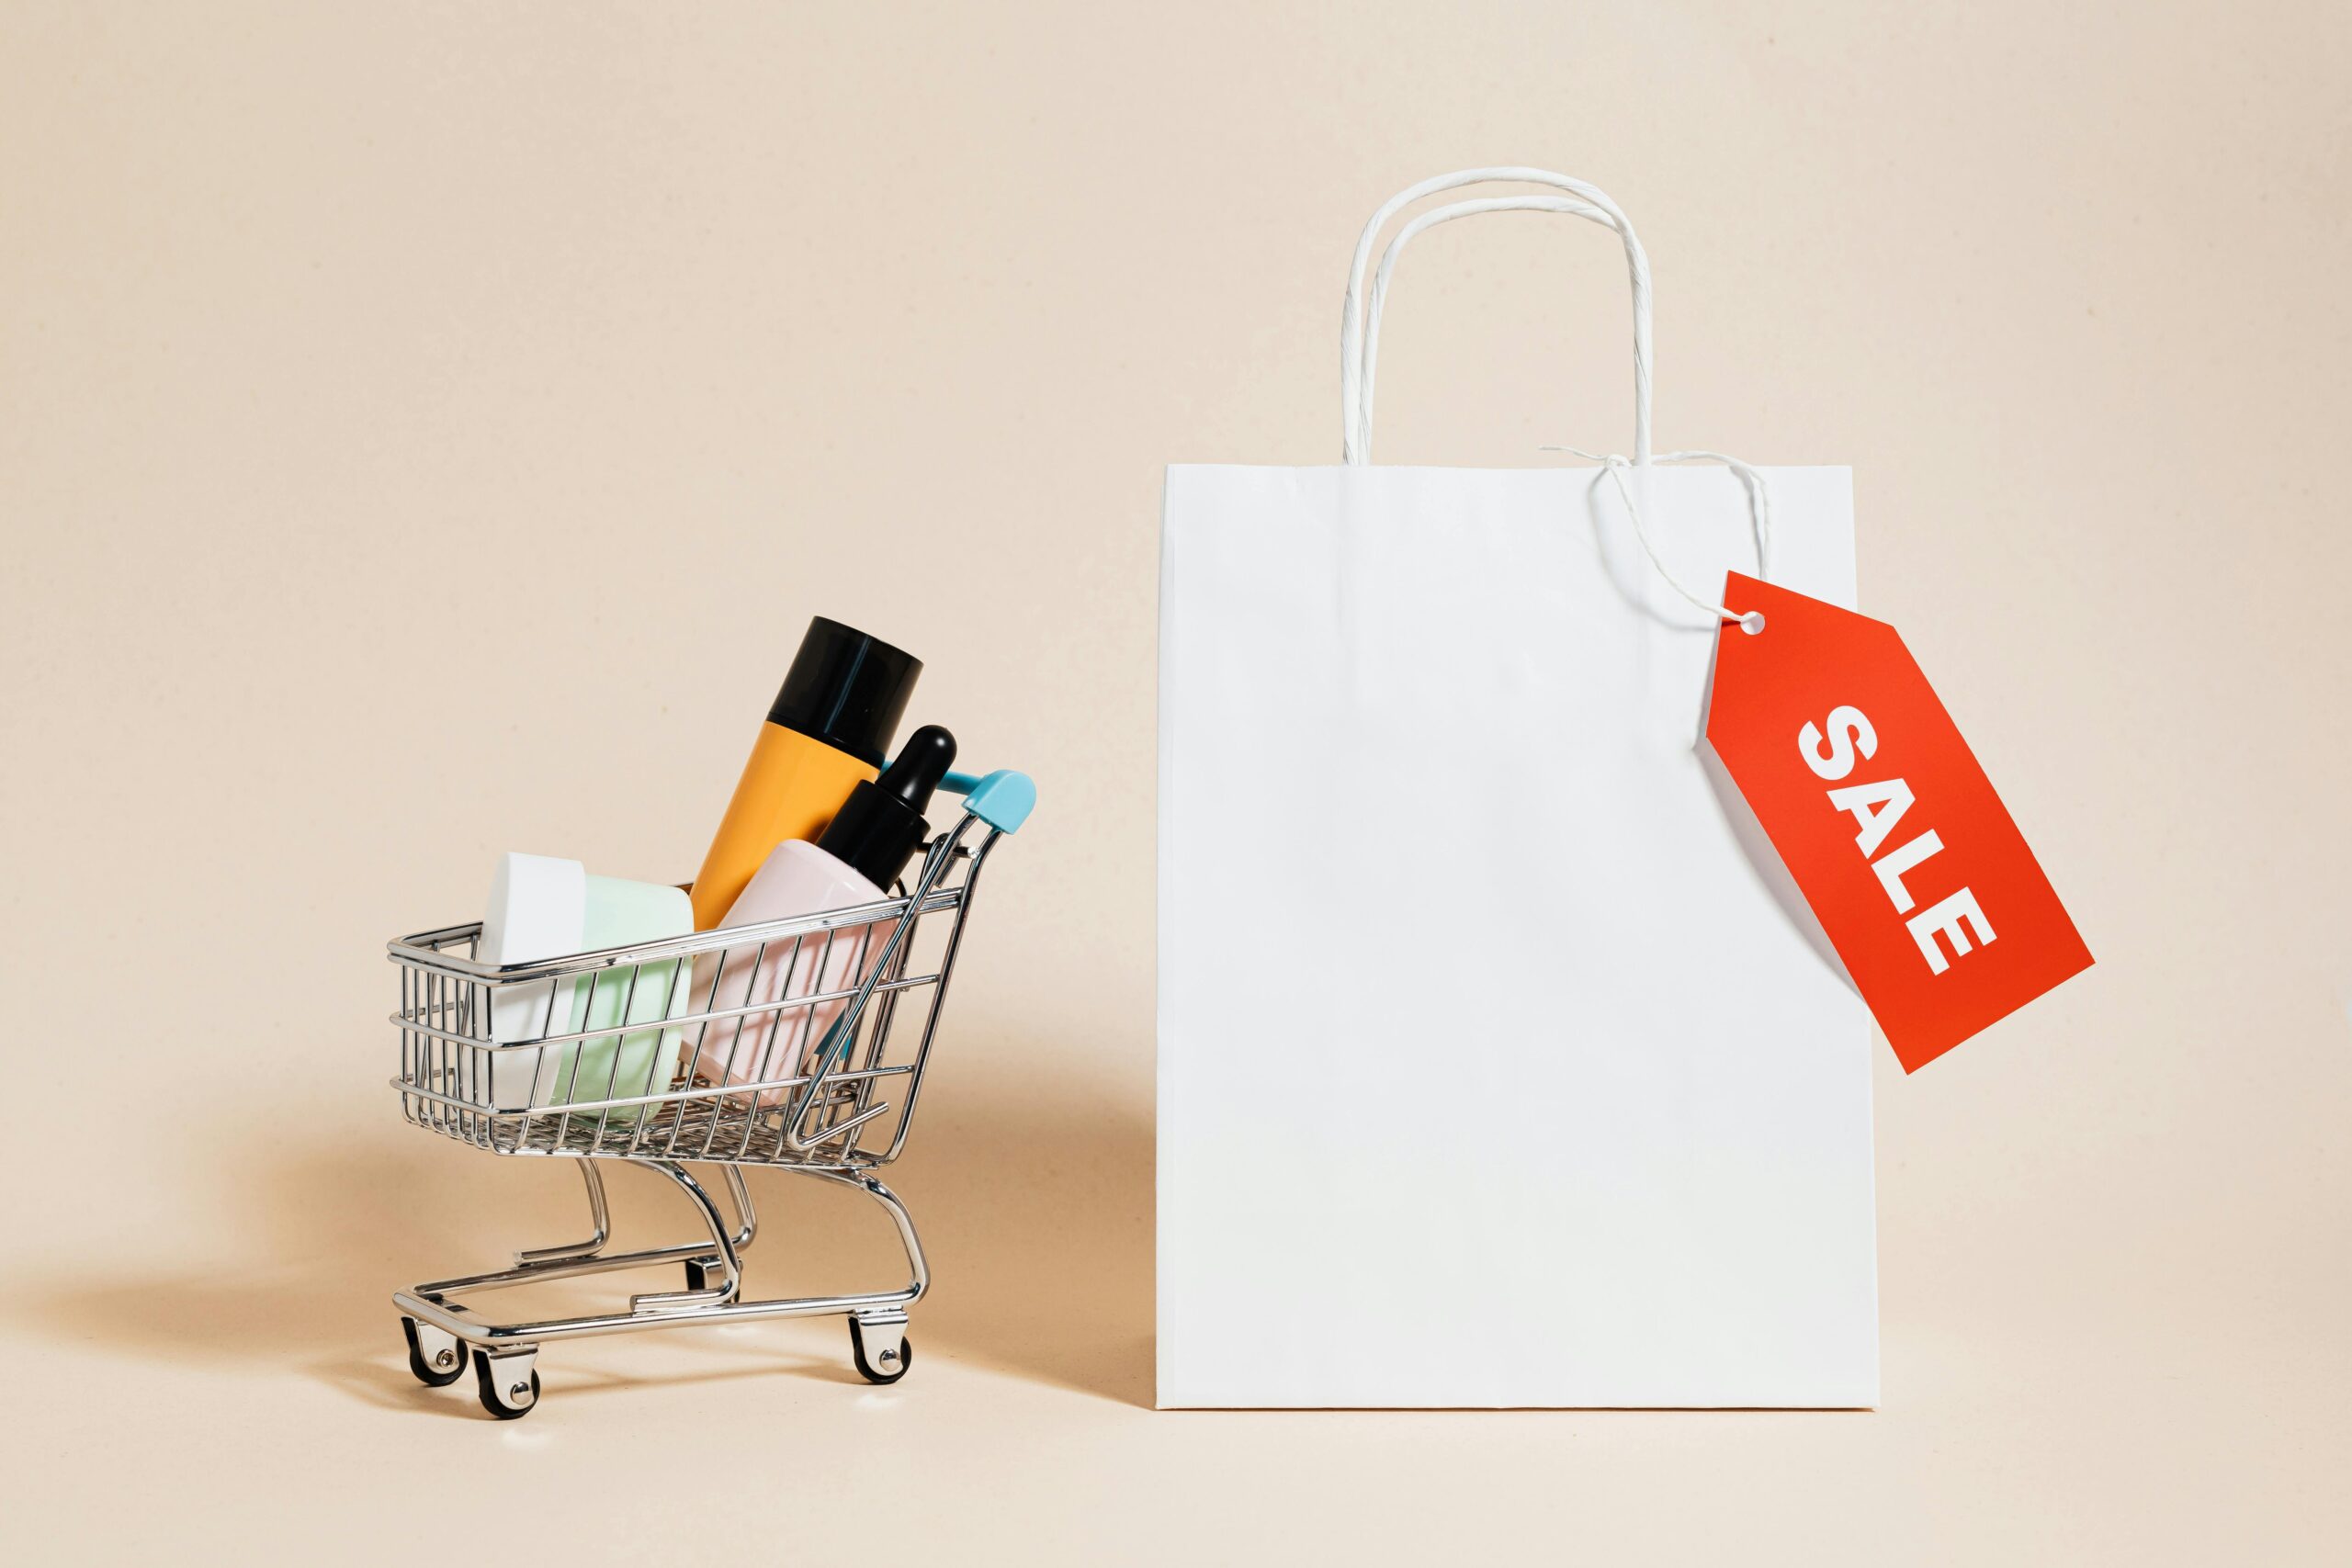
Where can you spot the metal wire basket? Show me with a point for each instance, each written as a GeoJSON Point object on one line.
{"type": "Point", "coordinates": [798, 1044]}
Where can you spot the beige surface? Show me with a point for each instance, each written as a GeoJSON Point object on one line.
{"type": "Point", "coordinates": [424, 431]}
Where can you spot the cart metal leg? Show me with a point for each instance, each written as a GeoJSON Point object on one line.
{"type": "Point", "coordinates": [440, 1331]}
{"type": "Point", "coordinates": [596, 1210]}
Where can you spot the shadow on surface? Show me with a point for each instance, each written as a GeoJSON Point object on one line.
{"type": "Point", "coordinates": [1035, 1213]}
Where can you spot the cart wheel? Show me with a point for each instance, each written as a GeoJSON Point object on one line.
{"type": "Point", "coordinates": [445, 1366]}
{"type": "Point", "coordinates": [502, 1395]}
{"type": "Point", "coordinates": [896, 1357]}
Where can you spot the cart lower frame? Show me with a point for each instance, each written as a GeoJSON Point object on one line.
{"type": "Point", "coordinates": [440, 1330]}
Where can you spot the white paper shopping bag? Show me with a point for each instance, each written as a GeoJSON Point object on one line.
{"type": "Point", "coordinates": [1492, 1072]}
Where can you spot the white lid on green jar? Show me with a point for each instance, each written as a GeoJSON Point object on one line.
{"type": "Point", "coordinates": [543, 907]}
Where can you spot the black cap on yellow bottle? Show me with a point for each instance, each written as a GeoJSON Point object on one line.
{"type": "Point", "coordinates": [827, 732]}
{"type": "Point", "coordinates": [846, 689]}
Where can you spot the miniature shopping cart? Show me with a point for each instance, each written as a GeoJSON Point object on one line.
{"type": "Point", "coordinates": [794, 1045]}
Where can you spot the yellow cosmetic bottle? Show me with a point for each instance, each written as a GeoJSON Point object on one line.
{"type": "Point", "coordinates": [827, 733]}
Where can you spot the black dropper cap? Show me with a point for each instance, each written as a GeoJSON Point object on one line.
{"type": "Point", "coordinates": [846, 689]}
{"type": "Point", "coordinates": [880, 826]}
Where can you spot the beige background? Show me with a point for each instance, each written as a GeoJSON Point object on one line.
{"type": "Point", "coordinates": [424, 430]}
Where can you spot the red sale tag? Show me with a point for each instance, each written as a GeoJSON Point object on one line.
{"type": "Point", "coordinates": [1893, 833]}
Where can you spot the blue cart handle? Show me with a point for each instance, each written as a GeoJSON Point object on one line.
{"type": "Point", "coordinates": [1002, 799]}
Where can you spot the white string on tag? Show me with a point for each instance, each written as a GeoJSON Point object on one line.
{"type": "Point", "coordinates": [1759, 509]}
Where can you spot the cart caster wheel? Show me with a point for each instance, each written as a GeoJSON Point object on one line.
{"type": "Point", "coordinates": [436, 1357]}
{"type": "Point", "coordinates": [892, 1355]}
{"type": "Point", "coordinates": [503, 1392]}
